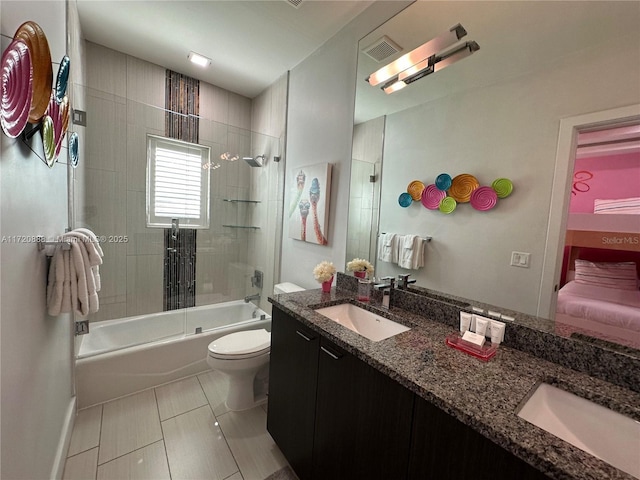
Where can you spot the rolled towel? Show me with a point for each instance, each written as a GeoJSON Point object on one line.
{"type": "Point", "coordinates": [84, 284]}
{"type": "Point", "coordinates": [66, 288]}
{"type": "Point", "coordinates": [93, 238]}
{"type": "Point", "coordinates": [73, 286]}
{"type": "Point", "coordinates": [95, 258]}
{"type": "Point", "coordinates": [94, 255]}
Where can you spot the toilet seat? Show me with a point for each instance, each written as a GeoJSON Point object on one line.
{"type": "Point", "coordinates": [239, 345]}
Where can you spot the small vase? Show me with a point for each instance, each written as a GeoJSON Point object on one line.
{"type": "Point", "coordinates": [326, 286]}
{"type": "Point", "coordinates": [360, 274]}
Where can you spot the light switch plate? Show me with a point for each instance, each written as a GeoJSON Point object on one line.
{"type": "Point", "coordinates": [520, 259]}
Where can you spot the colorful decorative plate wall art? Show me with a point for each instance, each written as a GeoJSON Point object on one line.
{"type": "Point", "coordinates": [17, 88]}
{"type": "Point", "coordinates": [462, 186]}
{"type": "Point", "coordinates": [443, 181]}
{"type": "Point", "coordinates": [447, 205]}
{"type": "Point", "coordinates": [415, 189]}
{"type": "Point", "coordinates": [48, 140]}
{"type": "Point", "coordinates": [432, 196]}
{"type": "Point", "coordinates": [405, 199]}
{"type": "Point", "coordinates": [59, 113]}
{"type": "Point", "coordinates": [62, 79]}
{"type": "Point", "coordinates": [503, 187]}
{"type": "Point", "coordinates": [35, 39]}
{"type": "Point", "coordinates": [484, 198]}
{"type": "Point", "coordinates": [73, 149]}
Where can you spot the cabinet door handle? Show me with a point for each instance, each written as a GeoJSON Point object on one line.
{"type": "Point", "coordinates": [307, 338]}
{"type": "Point", "coordinates": [331, 354]}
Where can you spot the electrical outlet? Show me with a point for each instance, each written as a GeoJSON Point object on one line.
{"type": "Point", "coordinates": [520, 259]}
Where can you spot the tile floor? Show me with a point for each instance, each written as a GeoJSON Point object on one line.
{"type": "Point", "coordinates": [181, 430]}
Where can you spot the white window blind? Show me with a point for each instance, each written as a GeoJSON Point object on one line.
{"type": "Point", "coordinates": [177, 185]}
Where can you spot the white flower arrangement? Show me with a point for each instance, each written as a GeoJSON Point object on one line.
{"type": "Point", "coordinates": [360, 265]}
{"type": "Point", "coordinates": [324, 271]}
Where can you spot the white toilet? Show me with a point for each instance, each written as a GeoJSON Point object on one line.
{"type": "Point", "coordinates": [244, 358]}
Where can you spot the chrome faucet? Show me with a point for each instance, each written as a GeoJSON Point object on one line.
{"type": "Point", "coordinates": [386, 289]}
{"type": "Point", "coordinates": [248, 298]}
{"type": "Point", "coordinates": [403, 280]}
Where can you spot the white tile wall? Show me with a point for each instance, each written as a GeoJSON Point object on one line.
{"type": "Point", "coordinates": [126, 102]}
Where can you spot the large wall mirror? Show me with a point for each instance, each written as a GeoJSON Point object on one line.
{"type": "Point", "coordinates": [494, 114]}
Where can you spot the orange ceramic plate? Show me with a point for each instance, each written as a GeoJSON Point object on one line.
{"type": "Point", "coordinates": [415, 189]}
{"type": "Point", "coordinates": [35, 39]}
{"type": "Point", "coordinates": [462, 186]}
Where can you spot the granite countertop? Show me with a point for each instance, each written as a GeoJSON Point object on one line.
{"type": "Point", "coordinates": [483, 395]}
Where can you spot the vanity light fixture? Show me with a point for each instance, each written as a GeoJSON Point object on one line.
{"type": "Point", "coordinates": [423, 60]}
{"type": "Point", "coordinates": [198, 59]}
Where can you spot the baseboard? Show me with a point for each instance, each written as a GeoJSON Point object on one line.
{"type": "Point", "coordinates": [65, 439]}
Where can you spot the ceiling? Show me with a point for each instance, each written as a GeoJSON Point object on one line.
{"type": "Point", "coordinates": [516, 38]}
{"type": "Point", "coordinates": [251, 43]}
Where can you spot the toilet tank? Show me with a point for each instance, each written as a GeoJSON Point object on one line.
{"type": "Point", "coordinates": [286, 287]}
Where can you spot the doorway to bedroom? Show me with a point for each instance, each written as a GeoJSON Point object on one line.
{"type": "Point", "coordinates": [598, 294]}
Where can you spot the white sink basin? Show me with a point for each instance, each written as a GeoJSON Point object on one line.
{"type": "Point", "coordinates": [597, 430]}
{"type": "Point", "coordinates": [369, 325]}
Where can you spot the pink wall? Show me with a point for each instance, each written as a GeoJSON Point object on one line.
{"type": "Point", "coordinates": [610, 177]}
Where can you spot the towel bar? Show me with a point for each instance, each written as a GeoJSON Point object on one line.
{"type": "Point", "coordinates": [66, 245]}
{"type": "Point", "coordinates": [426, 239]}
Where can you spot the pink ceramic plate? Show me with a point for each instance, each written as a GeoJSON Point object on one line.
{"type": "Point", "coordinates": [17, 88]}
{"type": "Point", "coordinates": [432, 196]}
{"type": "Point", "coordinates": [484, 198]}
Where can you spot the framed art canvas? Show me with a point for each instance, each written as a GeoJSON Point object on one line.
{"type": "Point", "coordinates": [308, 209]}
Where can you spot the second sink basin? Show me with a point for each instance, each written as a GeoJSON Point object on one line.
{"type": "Point", "coordinates": [608, 435]}
{"type": "Point", "coordinates": [368, 324]}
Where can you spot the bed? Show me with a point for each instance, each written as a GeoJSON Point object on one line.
{"type": "Point", "coordinates": [601, 268]}
{"type": "Point", "coordinates": [611, 312]}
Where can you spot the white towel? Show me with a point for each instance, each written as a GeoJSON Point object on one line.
{"type": "Point", "coordinates": [411, 252]}
{"type": "Point", "coordinates": [86, 300]}
{"type": "Point", "coordinates": [93, 238]}
{"type": "Point", "coordinates": [388, 247]}
{"type": "Point", "coordinates": [66, 289]}
{"type": "Point", "coordinates": [418, 257]}
{"type": "Point", "coordinates": [94, 252]}
{"type": "Point", "coordinates": [405, 253]}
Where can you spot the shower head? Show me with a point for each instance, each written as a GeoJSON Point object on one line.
{"type": "Point", "coordinates": [256, 161]}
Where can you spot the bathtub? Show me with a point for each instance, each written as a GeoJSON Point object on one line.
{"type": "Point", "coordinates": [120, 357]}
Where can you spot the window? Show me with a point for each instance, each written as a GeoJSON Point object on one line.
{"type": "Point", "coordinates": [177, 183]}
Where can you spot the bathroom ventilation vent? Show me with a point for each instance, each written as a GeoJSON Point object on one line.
{"type": "Point", "coordinates": [294, 3]}
{"type": "Point", "coordinates": [382, 49]}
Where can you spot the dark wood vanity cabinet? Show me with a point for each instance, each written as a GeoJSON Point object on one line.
{"type": "Point", "coordinates": [363, 420]}
{"type": "Point", "coordinates": [332, 415]}
{"type": "Point", "coordinates": [336, 417]}
{"type": "Point", "coordinates": [293, 372]}
{"type": "Point", "coordinates": [442, 447]}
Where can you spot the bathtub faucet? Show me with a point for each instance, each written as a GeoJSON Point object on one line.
{"type": "Point", "coordinates": [255, 296]}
